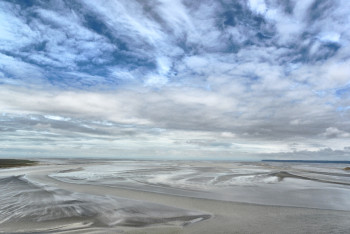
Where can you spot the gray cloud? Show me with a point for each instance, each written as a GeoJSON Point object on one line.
{"type": "Point", "coordinates": [322, 154]}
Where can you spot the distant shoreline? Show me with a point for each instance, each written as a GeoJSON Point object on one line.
{"type": "Point", "coordinates": [306, 161]}
{"type": "Point", "coordinates": [8, 163]}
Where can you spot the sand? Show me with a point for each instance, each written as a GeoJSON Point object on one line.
{"type": "Point", "coordinates": [226, 217]}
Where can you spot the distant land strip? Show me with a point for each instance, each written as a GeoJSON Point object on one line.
{"type": "Point", "coordinates": [6, 163]}
{"type": "Point", "coordinates": [306, 161]}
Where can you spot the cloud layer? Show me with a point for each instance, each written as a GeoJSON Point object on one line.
{"type": "Point", "coordinates": [175, 79]}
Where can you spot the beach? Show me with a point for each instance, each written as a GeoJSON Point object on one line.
{"type": "Point", "coordinates": [69, 197]}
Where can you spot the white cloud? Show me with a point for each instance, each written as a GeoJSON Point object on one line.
{"type": "Point", "coordinates": [258, 6]}
{"type": "Point", "coordinates": [14, 32]}
{"type": "Point", "coordinates": [333, 132]}
{"type": "Point", "coordinates": [164, 65]}
{"type": "Point", "coordinates": [58, 118]}
{"type": "Point", "coordinates": [121, 73]}
{"type": "Point", "coordinates": [20, 69]}
{"type": "Point", "coordinates": [64, 39]}
{"type": "Point", "coordinates": [330, 37]}
{"type": "Point", "coordinates": [156, 80]}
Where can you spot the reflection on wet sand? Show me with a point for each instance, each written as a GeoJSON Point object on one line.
{"type": "Point", "coordinates": [174, 197]}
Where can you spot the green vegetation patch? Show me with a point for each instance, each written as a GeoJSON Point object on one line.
{"type": "Point", "coordinates": [6, 163]}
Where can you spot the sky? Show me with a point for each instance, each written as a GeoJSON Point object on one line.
{"type": "Point", "coordinates": [172, 79]}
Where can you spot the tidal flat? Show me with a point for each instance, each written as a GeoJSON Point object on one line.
{"type": "Point", "coordinates": [130, 196]}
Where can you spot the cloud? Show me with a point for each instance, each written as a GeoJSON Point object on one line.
{"type": "Point", "coordinates": [258, 6]}
{"type": "Point", "coordinates": [14, 32]}
{"type": "Point", "coordinates": [221, 121]}
{"type": "Point", "coordinates": [322, 154]}
{"type": "Point", "coordinates": [237, 76]}
{"type": "Point", "coordinates": [333, 132]}
{"type": "Point", "coordinates": [21, 71]}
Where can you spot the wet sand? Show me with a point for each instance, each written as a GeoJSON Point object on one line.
{"type": "Point", "coordinates": [226, 217]}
